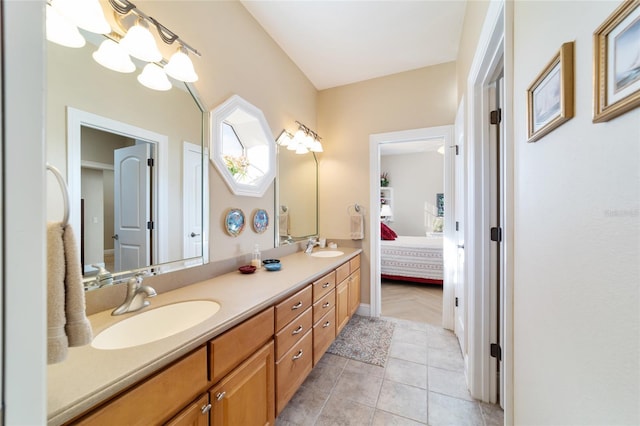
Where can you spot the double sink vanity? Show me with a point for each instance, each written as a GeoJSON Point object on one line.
{"type": "Point", "coordinates": [232, 349]}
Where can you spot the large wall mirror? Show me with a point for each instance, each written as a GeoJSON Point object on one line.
{"type": "Point", "coordinates": [135, 166]}
{"type": "Point", "coordinates": [242, 147]}
{"type": "Point", "coordinates": [297, 203]}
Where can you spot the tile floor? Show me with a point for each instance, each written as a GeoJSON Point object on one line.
{"type": "Point", "coordinates": [422, 383]}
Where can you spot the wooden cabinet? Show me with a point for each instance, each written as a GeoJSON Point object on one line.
{"type": "Point", "coordinates": [347, 292]}
{"type": "Point", "coordinates": [324, 333]}
{"type": "Point", "coordinates": [156, 399]}
{"type": "Point", "coordinates": [292, 369]}
{"type": "Point", "coordinates": [196, 414]}
{"type": "Point", "coordinates": [246, 395]}
{"type": "Point", "coordinates": [342, 305]}
{"type": "Point", "coordinates": [354, 292]}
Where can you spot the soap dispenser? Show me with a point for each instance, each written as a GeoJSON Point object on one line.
{"type": "Point", "coordinates": [255, 258]}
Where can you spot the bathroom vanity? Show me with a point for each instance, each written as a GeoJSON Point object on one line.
{"type": "Point", "coordinates": [240, 366]}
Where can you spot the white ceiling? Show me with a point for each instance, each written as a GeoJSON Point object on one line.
{"type": "Point", "coordinates": [341, 42]}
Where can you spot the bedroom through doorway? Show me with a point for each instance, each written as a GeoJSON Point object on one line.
{"type": "Point", "coordinates": [408, 281]}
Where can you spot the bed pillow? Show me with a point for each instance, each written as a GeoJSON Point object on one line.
{"type": "Point", "coordinates": [387, 233]}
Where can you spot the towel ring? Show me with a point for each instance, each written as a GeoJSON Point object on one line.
{"type": "Point", "coordinates": [354, 208]}
{"type": "Point", "coordinates": [65, 192]}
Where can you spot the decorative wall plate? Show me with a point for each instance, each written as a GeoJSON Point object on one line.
{"type": "Point", "coordinates": [260, 221]}
{"type": "Point", "coordinates": [234, 222]}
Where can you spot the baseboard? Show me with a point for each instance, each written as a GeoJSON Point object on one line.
{"type": "Point", "coordinates": [364, 310]}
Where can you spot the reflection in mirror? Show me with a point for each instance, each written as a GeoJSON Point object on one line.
{"type": "Point", "coordinates": [242, 147]}
{"type": "Point", "coordinates": [297, 195]}
{"type": "Point", "coordinates": [93, 113]}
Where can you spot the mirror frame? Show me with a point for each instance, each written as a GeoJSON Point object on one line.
{"type": "Point", "coordinates": [217, 117]}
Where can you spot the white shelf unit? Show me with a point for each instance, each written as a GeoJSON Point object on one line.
{"type": "Point", "coordinates": [386, 198]}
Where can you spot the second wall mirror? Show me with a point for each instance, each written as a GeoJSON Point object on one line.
{"type": "Point", "coordinates": [242, 147]}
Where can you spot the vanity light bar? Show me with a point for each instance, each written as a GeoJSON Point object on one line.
{"type": "Point", "coordinates": [303, 141]}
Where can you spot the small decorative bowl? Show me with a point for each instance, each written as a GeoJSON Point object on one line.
{"type": "Point", "coordinates": [270, 261]}
{"type": "Point", "coordinates": [247, 269]}
{"type": "Point", "coordinates": [272, 266]}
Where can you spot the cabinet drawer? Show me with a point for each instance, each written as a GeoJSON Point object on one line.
{"type": "Point", "coordinates": [292, 307]}
{"type": "Point", "coordinates": [157, 398]}
{"type": "Point", "coordinates": [237, 344]}
{"type": "Point", "coordinates": [354, 263]}
{"type": "Point", "coordinates": [324, 333]}
{"type": "Point", "coordinates": [292, 369]}
{"type": "Point", "coordinates": [324, 285]}
{"type": "Point", "coordinates": [292, 333]}
{"type": "Point", "coordinates": [342, 272]}
{"type": "Point", "coordinates": [324, 305]}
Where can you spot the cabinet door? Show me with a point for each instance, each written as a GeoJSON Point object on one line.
{"type": "Point", "coordinates": [342, 305]}
{"type": "Point", "coordinates": [354, 292]}
{"type": "Point", "coordinates": [196, 414]}
{"type": "Point", "coordinates": [246, 395]}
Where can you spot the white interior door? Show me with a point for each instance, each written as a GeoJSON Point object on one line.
{"type": "Point", "coordinates": [132, 205]}
{"type": "Point", "coordinates": [460, 328]}
{"type": "Point", "coordinates": [192, 199]}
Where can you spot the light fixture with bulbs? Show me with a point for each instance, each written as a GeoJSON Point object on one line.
{"type": "Point", "coordinates": [304, 140]}
{"type": "Point", "coordinates": [64, 17]}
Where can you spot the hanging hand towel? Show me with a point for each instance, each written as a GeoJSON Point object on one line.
{"type": "Point", "coordinates": [78, 327]}
{"type": "Point", "coordinates": [357, 226]}
{"type": "Point", "coordinates": [56, 338]}
{"type": "Point", "coordinates": [283, 224]}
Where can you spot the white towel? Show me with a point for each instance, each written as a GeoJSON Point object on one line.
{"type": "Point", "coordinates": [66, 317]}
{"type": "Point", "coordinates": [357, 227]}
{"type": "Point", "coordinates": [283, 224]}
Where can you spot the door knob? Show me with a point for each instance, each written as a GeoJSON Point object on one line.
{"type": "Point", "coordinates": [193, 234]}
{"type": "Point", "coordinates": [115, 237]}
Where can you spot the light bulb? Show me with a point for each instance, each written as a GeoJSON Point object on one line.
{"type": "Point", "coordinates": [301, 149]}
{"type": "Point", "coordinates": [180, 67]}
{"type": "Point", "coordinates": [61, 30]}
{"type": "Point", "coordinates": [316, 146]}
{"type": "Point", "coordinates": [139, 42]}
{"type": "Point", "coordinates": [153, 77]}
{"type": "Point", "coordinates": [111, 55]}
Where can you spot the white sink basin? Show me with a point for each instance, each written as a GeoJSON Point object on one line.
{"type": "Point", "coordinates": [155, 324]}
{"type": "Point", "coordinates": [327, 253]}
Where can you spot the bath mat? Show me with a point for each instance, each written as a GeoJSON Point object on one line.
{"type": "Point", "coordinates": [364, 339]}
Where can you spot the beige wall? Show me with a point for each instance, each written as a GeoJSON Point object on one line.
{"type": "Point", "coordinates": [348, 115]}
{"type": "Point", "coordinates": [475, 13]}
{"type": "Point", "coordinates": [577, 239]}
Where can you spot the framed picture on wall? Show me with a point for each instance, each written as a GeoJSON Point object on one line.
{"type": "Point", "coordinates": [550, 96]}
{"type": "Point", "coordinates": [616, 63]}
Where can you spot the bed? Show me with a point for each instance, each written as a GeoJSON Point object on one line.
{"type": "Point", "coordinates": [414, 259]}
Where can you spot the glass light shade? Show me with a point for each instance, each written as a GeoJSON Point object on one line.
{"type": "Point", "coordinates": [284, 139]}
{"type": "Point", "coordinates": [301, 149]}
{"type": "Point", "coordinates": [316, 146]}
{"type": "Point", "coordinates": [153, 77]}
{"type": "Point", "coordinates": [111, 55]}
{"type": "Point", "coordinates": [180, 67]}
{"type": "Point", "coordinates": [62, 31]}
{"type": "Point", "coordinates": [308, 141]}
{"type": "Point", "coordinates": [86, 14]}
{"type": "Point", "coordinates": [139, 42]}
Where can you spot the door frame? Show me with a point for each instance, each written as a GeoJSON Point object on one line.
{"type": "Point", "coordinates": [188, 146]}
{"type": "Point", "coordinates": [449, 253]}
{"type": "Point", "coordinates": [495, 48]}
{"type": "Point", "coordinates": [75, 120]}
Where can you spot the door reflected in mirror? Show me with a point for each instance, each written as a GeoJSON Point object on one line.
{"type": "Point", "coordinates": [298, 195]}
{"type": "Point", "coordinates": [242, 147]}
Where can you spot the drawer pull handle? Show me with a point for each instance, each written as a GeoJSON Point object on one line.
{"type": "Point", "coordinates": [220, 395]}
{"type": "Point", "coordinates": [296, 306]}
{"type": "Point", "coordinates": [295, 357]}
{"type": "Point", "coordinates": [205, 408]}
{"type": "Point", "coordinates": [326, 305]}
{"type": "Point", "coordinates": [325, 285]}
{"type": "Point", "coordinates": [326, 324]}
{"type": "Point", "coordinates": [297, 330]}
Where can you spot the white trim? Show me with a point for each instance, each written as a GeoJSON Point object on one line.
{"type": "Point", "coordinates": [375, 140]}
{"type": "Point", "coordinates": [94, 165]}
{"type": "Point", "coordinates": [77, 118]}
{"type": "Point", "coordinates": [364, 309]}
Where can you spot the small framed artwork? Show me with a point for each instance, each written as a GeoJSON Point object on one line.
{"type": "Point", "coordinates": [550, 97]}
{"type": "Point", "coordinates": [260, 221]}
{"type": "Point", "coordinates": [616, 63]}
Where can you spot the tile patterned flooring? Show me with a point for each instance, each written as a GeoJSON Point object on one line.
{"type": "Point", "coordinates": [422, 383]}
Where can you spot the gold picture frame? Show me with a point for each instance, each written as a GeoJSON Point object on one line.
{"type": "Point", "coordinates": [616, 63]}
{"type": "Point", "coordinates": [550, 98]}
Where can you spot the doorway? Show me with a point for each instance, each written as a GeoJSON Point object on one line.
{"type": "Point", "coordinates": [444, 136]}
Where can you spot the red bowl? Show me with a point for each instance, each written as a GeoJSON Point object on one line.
{"type": "Point", "coordinates": [247, 269]}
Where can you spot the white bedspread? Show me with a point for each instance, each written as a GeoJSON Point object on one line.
{"type": "Point", "coordinates": [414, 257]}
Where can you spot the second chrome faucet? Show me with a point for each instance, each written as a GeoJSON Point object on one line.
{"type": "Point", "coordinates": [136, 296]}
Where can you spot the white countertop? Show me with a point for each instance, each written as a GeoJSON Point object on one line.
{"type": "Point", "coordinates": [89, 376]}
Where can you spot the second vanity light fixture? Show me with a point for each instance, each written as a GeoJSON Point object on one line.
{"type": "Point", "coordinates": [303, 141]}
{"type": "Point", "coordinates": [115, 52]}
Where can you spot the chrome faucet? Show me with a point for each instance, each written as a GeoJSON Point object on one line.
{"type": "Point", "coordinates": [310, 245]}
{"type": "Point", "coordinates": [136, 295]}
